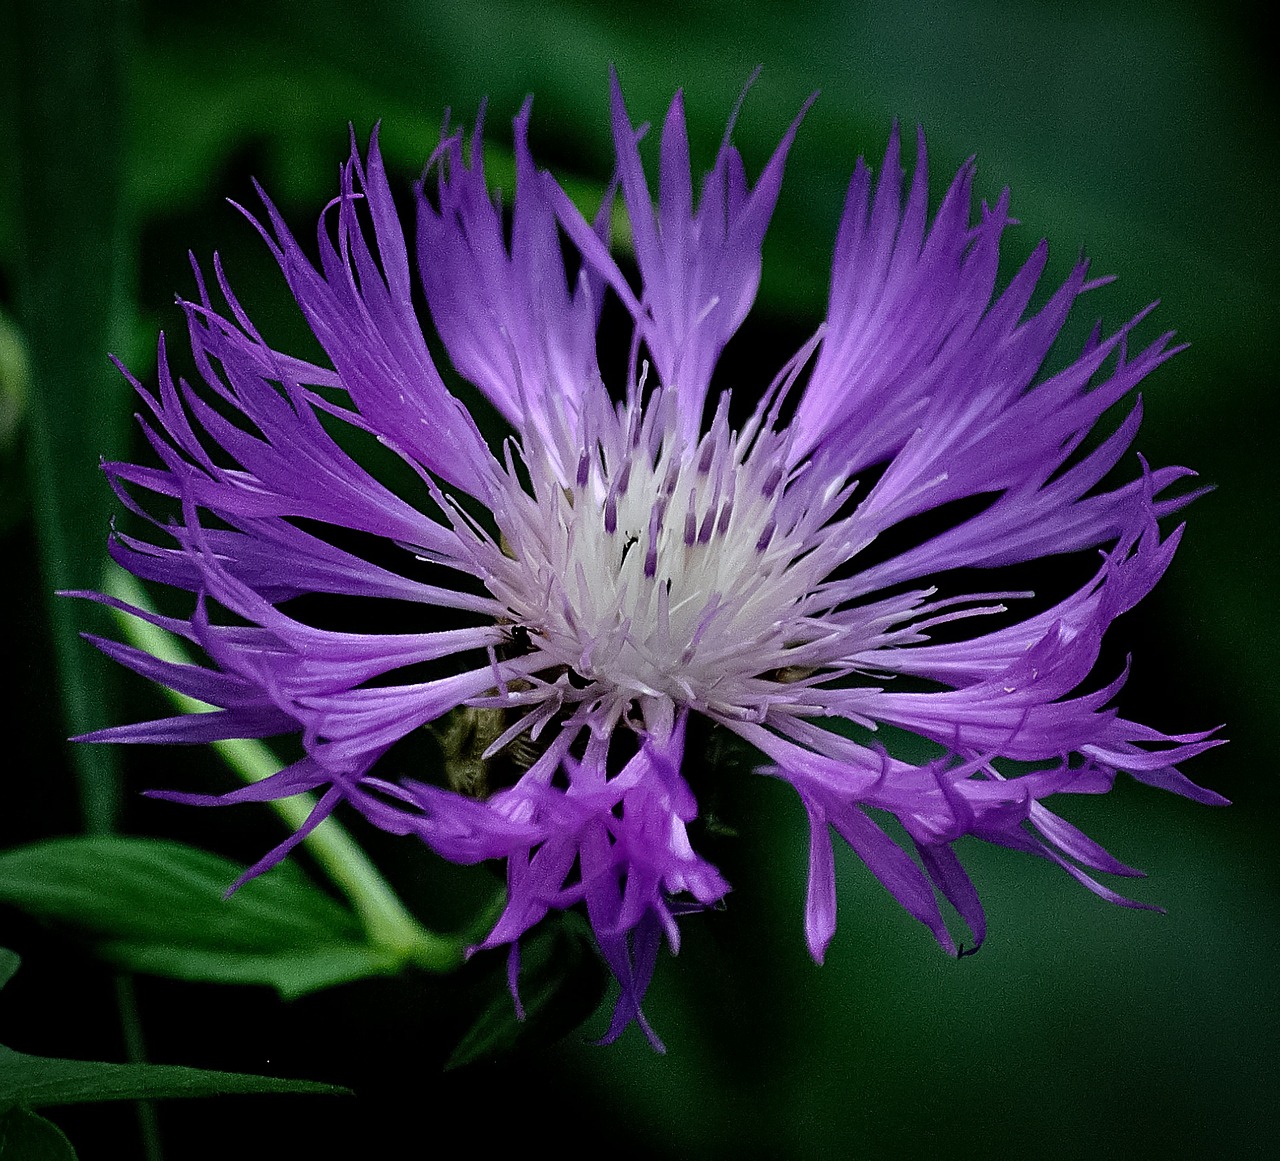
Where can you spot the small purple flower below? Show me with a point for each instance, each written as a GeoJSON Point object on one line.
{"type": "Point", "coordinates": [628, 558]}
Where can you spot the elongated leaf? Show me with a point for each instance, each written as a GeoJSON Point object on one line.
{"type": "Point", "coordinates": [161, 907]}
{"type": "Point", "coordinates": [561, 983]}
{"type": "Point", "coordinates": [8, 965]}
{"type": "Point", "coordinates": [72, 275]}
{"type": "Point", "coordinates": [192, 109]}
{"type": "Point", "coordinates": [37, 1081]}
{"type": "Point", "coordinates": [27, 1136]}
{"type": "Point", "coordinates": [13, 395]}
{"type": "Point", "coordinates": [292, 972]}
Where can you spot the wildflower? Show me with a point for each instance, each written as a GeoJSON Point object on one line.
{"type": "Point", "coordinates": [629, 559]}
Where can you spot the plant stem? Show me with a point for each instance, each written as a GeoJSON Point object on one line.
{"type": "Point", "coordinates": [386, 921]}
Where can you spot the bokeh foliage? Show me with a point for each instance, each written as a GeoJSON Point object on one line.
{"type": "Point", "coordinates": [1141, 131]}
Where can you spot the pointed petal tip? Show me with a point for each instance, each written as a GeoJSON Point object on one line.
{"type": "Point", "coordinates": [521, 119]}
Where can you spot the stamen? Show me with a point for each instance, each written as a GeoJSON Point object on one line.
{"type": "Point", "coordinates": [691, 521]}
{"type": "Point", "coordinates": [708, 454]}
{"type": "Point", "coordinates": [700, 618]}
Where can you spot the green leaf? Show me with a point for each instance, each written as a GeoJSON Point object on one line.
{"type": "Point", "coordinates": [71, 285]}
{"type": "Point", "coordinates": [161, 907]}
{"type": "Point", "coordinates": [9, 961]}
{"type": "Point", "coordinates": [561, 984]}
{"type": "Point", "coordinates": [44, 1080]}
{"type": "Point", "coordinates": [26, 1136]}
{"type": "Point", "coordinates": [34, 1081]}
{"type": "Point", "coordinates": [193, 106]}
{"type": "Point", "coordinates": [14, 373]}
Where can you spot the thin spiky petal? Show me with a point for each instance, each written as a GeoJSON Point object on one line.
{"type": "Point", "coordinates": [628, 561]}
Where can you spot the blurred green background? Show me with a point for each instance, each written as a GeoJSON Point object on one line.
{"type": "Point", "coordinates": [1143, 133]}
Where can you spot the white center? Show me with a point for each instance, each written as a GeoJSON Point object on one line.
{"type": "Point", "coordinates": [655, 567]}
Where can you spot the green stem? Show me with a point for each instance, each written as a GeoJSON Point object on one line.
{"type": "Point", "coordinates": [385, 920]}
{"type": "Point", "coordinates": [135, 1049]}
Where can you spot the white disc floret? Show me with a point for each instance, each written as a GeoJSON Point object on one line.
{"type": "Point", "coordinates": [656, 569]}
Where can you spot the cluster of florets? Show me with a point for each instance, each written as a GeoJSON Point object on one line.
{"type": "Point", "coordinates": [631, 559]}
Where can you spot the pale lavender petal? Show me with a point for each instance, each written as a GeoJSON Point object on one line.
{"type": "Point", "coordinates": [700, 267]}
{"type": "Point", "coordinates": [506, 314]}
{"type": "Point", "coordinates": [820, 900]}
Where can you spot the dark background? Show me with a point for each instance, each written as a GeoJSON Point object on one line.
{"type": "Point", "coordinates": [1142, 133]}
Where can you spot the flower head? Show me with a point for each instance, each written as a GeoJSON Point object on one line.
{"type": "Point", "coordinates": [629, 558]}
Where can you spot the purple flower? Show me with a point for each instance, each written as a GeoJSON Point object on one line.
{"type": "Point", "coordinates": [628, 557]}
